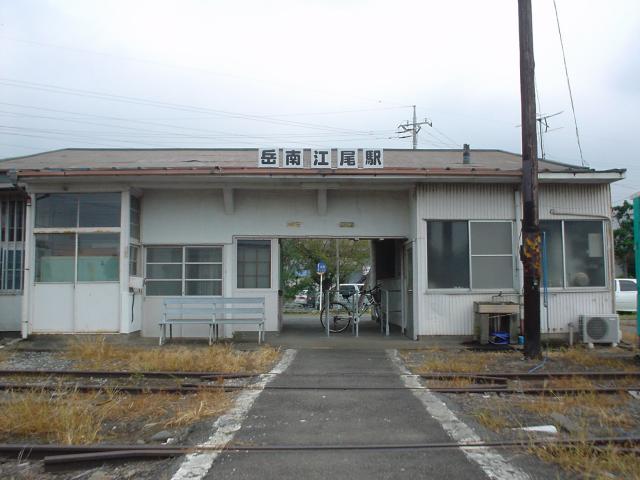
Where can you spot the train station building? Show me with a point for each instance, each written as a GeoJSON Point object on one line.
{"type": "Point", "coordinates": [93, 240]}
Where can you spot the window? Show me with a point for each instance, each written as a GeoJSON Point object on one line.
{"type": "Point", "coordinates": [575, 253]}
{"type": "Point", "coordinates": [491, 255]}
{"type": "Point", "coordinates": [134, 218]}
{"type": "Point", "coordinates": [79, 253]}
{"type": "Point", "coordinates": [463, 254]}
{"type": "Point", "coordinates": [627, 286]}
{"type": "Point", "coordinates": [11, 243]}
{"type": "Point", "coordinates": [448, 254]}
{"type": "Point", "coordinates": [254, 263]}
{"type": "Point", "coordinates": [59, 210]}
{"type": "Point", "coordinates": [189, 271]}
{"type": "Point", "coordinates": [135, 269]}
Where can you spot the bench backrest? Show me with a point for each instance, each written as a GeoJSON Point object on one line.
{"type": "Point", "coordinates": [207, 307]}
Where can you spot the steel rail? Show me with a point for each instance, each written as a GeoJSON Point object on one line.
{"type": "Point", "coordinates": [68, 454]}
{"type": "Point", "coordinates": [193, 388]}
{"type": "Point", "coordinates": [530, 376]}
{"type": "Point", "coordinates": [125, 373]}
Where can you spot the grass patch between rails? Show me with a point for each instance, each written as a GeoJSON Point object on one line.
{"type": "Point", "coordinates": [443, 361]}
{"type": "Point", "coordinates": [99, 353]}
{"type": "Point", "coordinates": [71, 417]}
{"type": "Point", "coordinates": [599, 463]}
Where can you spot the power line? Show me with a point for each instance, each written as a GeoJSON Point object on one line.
{"type": "Point", "coordinates": [566, 72]}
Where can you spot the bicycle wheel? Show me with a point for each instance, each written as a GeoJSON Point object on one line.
{"type": "Point", "coordinates": [376, 313]}
{"type": "Point", "coordinates": [339, 317]}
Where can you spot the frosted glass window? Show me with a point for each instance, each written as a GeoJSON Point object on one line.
{"type": "Point", "coordinates": [491, 255]}
{"type": "Point", "coordinates": [553, 238]}
{"type": "Point", "coordinates": [254, 263]}
{"type": "Point", "coordinates": [492, 272]}
{"type": "Point", "coordinates": [98, 258]}
{"type": "Point", "coordinates": [55, 257]}
{"type": "Point", "coordinates": [134, 218]}
{"type": "Point", "coordinates": [491, 238]}
{"type": "Point", "coordinates": [448, 254]}
{"type": "Point", "coordinates": [584, 250]}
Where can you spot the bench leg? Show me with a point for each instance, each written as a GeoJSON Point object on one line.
{"type": "Point", "coordinates": [170, 331]}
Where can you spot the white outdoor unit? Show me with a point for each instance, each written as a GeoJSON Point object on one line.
{"type": "Point", "coordinates": [604, 328]}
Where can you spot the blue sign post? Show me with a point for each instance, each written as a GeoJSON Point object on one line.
{"type": "Point", "coordinates": [321, 269]}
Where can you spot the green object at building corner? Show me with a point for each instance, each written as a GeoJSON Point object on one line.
{"type": "Point", "coordinates": [636, 243]}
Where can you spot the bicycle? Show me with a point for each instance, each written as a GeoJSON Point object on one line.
{"type": "Point", "coordinates": [342, 313]}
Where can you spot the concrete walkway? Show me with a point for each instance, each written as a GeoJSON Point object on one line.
{"type": "Point", "coordinates": [328, 417]}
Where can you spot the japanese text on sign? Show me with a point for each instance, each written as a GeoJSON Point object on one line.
{"type": "Point", "coordinates": [321, 158]}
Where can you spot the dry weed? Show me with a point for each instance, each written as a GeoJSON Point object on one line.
{"type": "Point", "coordinates": [61, 417]}
{"type": "Point", "coordinates": [79, 418]}
{"type": "Point", "coordinates": [605, 408]}
{"type": "Point", "coordinates": [460, 362]}
{"type": "Point", "coordinates": [602, 463]}
{"type": "Point", "coordinates": [584, 357]}
{"type": "Point", "coordinates": [97, 352]}
{"type": "Point", "coordinates": [491, 419]}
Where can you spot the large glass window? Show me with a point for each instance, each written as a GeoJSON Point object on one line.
{"type": "Point", "coordinates": [98, 257]}
{"type": "Point", "coordinates": [80, 254]}
{"type": "Point", "coordinates": [584, 250]}
{"type": "Point", "coordinates": [575, 253]}
{"type": "Point", "coordinates": [55, 257]}
{"type": "Point", "coordinates": [554, 264]}
{"type": "Point", "coordinates": [134, 218]}
{"type": "Point", "coordinates": [254, 263]}
{"type": "Point", "coordinates": [463, 254]}
{"type": "Point", "coordinates": [190, 271]}
{"type": "Point", "coordinates": [448, 254]}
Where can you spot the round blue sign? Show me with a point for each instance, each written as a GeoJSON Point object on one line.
{"type": "Point", "coordinates": [321, 267]}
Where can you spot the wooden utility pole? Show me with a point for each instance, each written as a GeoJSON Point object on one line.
{"type": "Point", "coordinates": [531, 239]}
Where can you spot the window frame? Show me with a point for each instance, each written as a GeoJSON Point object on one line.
{"type": "Point", "coordinates": [76, 231]}
{"type": "Point", "coordinates": [251, 239]}
{"type": "Point", "coordinates": [605, 258]}
{"type": "Point", "coordinates": [12, 239]}
{"type": "Point", "coordinates": [183, 271]}
{"type": "Point", "coordinates": [471, 288]}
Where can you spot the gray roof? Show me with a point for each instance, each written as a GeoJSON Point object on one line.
{"type": "Point", "coordinates": [141, 159]}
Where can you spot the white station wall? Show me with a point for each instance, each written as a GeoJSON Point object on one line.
{"type": "Point", "coordinates": [451, 313]}
{"type": "Point", "coordinates": [10, 312]}
{"type": "Point", "coordinates": [178, 217]}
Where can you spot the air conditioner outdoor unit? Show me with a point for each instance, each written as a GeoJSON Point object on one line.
{"type": "Point", "coordinates": [604, 328]}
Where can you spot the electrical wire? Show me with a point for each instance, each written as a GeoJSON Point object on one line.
{"type": "Point", "coordinates": [566, 72]}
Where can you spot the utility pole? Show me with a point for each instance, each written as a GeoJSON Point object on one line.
{"type": "Point", "coordinates": [530, 252]}
{"type": "Point", "coordinates": [413, 127]}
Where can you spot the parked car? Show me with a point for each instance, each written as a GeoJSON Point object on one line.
{"type": "Point", "coordinates": [626, 294]}
{"type": "Point", "coordinates": [301, 298]}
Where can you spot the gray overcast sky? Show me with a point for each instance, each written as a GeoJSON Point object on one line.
{"type": "Point", "coordinates": [78, 73]}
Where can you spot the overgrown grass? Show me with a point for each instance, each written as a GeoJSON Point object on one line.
{"type": "Point", "coordinates": [584, 357]}
{"type": "Point", "coordinates": [492, 419]}
{"type": "Point", "coordinates": [97, 352]}
{"type": "Point", "coordinates": [459, 362]}
{"type": "Point", "coordinates": [601, 463]}
{"type": "Point", "coordinates": [606, 409]}
{"type": "Point", "coordinates": [71, 417]}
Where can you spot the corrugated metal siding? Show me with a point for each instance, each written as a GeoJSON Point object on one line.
{"type": "Point", "coordinates": [466, 201]}
{"type": "Point", "coordinates": [565, 307]}
{"type": "Point", "coordinates": [453, 314]}
{"type": "Point", "coordinates": [575, 199]}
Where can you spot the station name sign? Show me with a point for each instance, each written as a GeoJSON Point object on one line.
{"type": "Point", "coordinates": [320, 158]}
